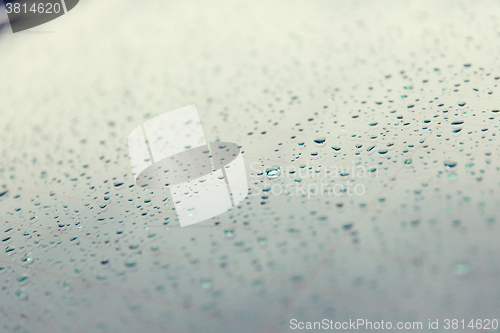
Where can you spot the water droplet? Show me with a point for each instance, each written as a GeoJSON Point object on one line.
{"type": "Point", "coordinates": [320, 141]}
{"type": "Point", "coordinates": [369, 149]}
{"type": "Point", "coordinates": [450, 164]}
{"type": "Point", "coordinates": [205, 284]}
{"type": "Point", "coordinates": [461, 269]}
{"type": "Point", "coordinates": [273, 172]}
{"type": "Point", "coordinates": [21, 293]}
{"type": "Point", "coordinates": [130, 264]}
{"type": "Point", "coordinates": [22, 278]}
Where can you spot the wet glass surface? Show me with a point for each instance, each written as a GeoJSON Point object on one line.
{"type": "Point", "coordinates": [369, 137]}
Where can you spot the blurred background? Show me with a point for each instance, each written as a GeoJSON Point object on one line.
{"type": "Point", "coordinates": [406, 90]}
